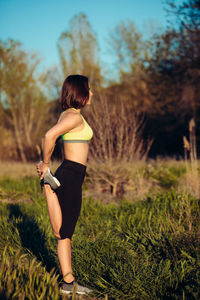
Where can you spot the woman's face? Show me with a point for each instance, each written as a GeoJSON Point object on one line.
{"type": "Point", "coordinates": [90, 96]}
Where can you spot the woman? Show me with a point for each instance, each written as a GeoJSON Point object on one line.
{"type": "Point", "coordinates": [64, 202]}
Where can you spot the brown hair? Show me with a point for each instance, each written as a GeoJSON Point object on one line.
{"type": "Point", "coordinates": [75, 92]}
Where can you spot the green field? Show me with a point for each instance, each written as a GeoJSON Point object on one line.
{"type": "Point", "coordinates": [123, 249]}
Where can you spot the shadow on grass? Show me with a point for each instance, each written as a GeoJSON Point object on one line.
{"type": "Point", "coordinates": [31, 237]}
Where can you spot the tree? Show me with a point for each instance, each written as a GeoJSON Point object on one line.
{"type": "Point", "coordinates": [160, 76]}
{"type": "Point", "coordinates": [187, 18]}
{"type": "Point", "coordinates": [173, 76]}
{"type": "Point", "coordinates": [128, 45]}
{"type": "Point", "coordinates": [22, 99]}
{"type": "Point", "coordinates": [131, 51]}
{"type": "Point", "coordinates": [78, 49]}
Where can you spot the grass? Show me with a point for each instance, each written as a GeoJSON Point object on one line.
{"type": "Point", "coordinates": [125, 249]}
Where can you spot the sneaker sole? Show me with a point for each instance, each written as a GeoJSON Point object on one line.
{"type": "Point", "coordinates": [51, 180]}
{"type": "Point", "coordinates": [70, 292]}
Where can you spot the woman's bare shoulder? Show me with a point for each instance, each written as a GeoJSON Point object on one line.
{"type": "Point", "coordinates": [66, 122]}
{"type": "Point", "coordinates": [69, 115]}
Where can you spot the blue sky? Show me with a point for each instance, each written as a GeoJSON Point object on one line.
{"type": "Point", "coordinates": [37, 24]}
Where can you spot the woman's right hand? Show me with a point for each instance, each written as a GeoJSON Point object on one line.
{"type": "Point", "coordinates": [41, 169]}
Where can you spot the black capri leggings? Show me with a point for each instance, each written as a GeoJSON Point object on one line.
{"type": "Point", "coordinates": [71, 176]}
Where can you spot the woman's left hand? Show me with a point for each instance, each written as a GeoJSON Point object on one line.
{"type": "Point", "coordinates": [41, 169]}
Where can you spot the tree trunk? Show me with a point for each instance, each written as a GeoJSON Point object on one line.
{"type": "Point", "coordinates": [18, 138]}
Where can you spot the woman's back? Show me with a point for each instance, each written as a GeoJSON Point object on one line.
{"type": "Point", "coordinates": [75, 142]}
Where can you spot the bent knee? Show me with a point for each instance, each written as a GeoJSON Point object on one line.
{"type": "Point", "coordinates": [56, 234]}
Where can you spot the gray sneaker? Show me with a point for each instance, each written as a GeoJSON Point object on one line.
{"type": "Point", "coordinates": [51, 180]}
{"type": "Point", "coordinates": [74, 286]}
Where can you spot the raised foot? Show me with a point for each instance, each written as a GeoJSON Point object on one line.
{"type": "Point", "coordinates": [51, 180]}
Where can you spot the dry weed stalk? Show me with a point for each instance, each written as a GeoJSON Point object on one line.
{"type": "Point", "coordinates": [191, 182]}
{"type": "Point", "coordinates": [182, 214]}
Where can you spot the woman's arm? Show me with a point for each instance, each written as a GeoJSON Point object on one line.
{"type": "Point", "coordinates": [69, 121]}
{"type": "Point", "coordinates": [48, 146]}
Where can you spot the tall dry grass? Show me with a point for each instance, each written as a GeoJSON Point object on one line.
{"type": "Point", "coordinates": [15, 169]}
{"type": "Point", "coordinates": [134, 179]}
{"type": "Point", "coordinates": [110, 180]}
{"type": "Point", "coordinates": [190, 182]}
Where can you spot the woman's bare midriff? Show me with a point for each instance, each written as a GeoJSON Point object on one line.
{"type": "Point", "coordinates": [77, 152]}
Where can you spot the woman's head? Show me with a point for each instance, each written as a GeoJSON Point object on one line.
{"type": "Point", "coordinates": [75, 92]}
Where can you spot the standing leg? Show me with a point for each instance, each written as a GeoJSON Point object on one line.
{"type": "Point", "coordinates": [64, 245]}
{"type": "Point", "coordinates": [64, 256]}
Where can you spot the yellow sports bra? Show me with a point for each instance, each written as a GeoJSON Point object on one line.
{"type": "Point", "coordinates": [82, 136]}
